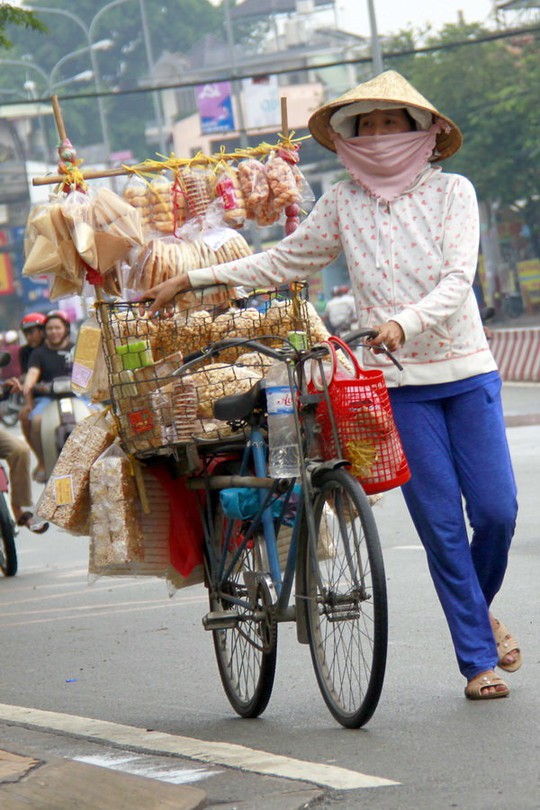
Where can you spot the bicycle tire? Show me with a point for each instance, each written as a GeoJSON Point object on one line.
{"type": "Point", "coordinates": [8, 549]}
{"type": "Point", "coordinates": [346, 603]}
{"type": "Point", "coordinates": [246, 654]}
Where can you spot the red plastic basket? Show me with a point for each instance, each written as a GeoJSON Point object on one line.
{"type": "Point", "coordinates": [365, 425]}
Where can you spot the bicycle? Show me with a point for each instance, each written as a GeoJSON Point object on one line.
{"type": "Point", "coordinates": [255, 551]}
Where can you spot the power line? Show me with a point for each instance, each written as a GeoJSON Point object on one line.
{"type": "Point", "coordinates": [508, 34]}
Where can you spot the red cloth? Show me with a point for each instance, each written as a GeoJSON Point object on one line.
{"type": "Point", "coordinates": [185, 527]}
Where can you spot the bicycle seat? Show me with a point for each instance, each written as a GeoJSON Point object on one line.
{"type": "Point", "coordinates": [238, 406]}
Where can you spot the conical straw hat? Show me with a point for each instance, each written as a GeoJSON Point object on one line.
{"type": "Point", "coordinates": [387, 86]}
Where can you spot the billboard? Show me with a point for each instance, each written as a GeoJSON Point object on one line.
{"type": "Point", "coordinates": [214, 102]}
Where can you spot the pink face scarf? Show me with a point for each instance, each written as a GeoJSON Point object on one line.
{"type": "Point", "coordinates": [386, 165]}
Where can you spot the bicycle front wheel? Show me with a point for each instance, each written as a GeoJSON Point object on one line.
{"type": "Point", "coordinates": [347, 614]}
{"type": "Point", "coordinates": [8, 550]}
{"type": "Point", "coordinates": [246, 649]}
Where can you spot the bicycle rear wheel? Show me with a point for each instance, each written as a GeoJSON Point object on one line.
{"type": "Point", "coordinates": [8, 550]}
{"type": "Point", "coordinates": [345, 588]}
{"type": "Point", "coordinates": [246, 650]}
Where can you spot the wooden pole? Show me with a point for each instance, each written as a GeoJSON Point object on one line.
{"type": "Point", "coordinates": [284, 118]}
{"type": "Point", "coordinates": [59, 119]}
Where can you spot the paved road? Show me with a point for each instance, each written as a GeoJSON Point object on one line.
{"type": "Point", "coordinates": [123, 654]}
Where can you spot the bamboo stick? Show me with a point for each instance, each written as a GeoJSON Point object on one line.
{"type": "Point", "coordinates": [59, 119]}
{"type": "Point", "coordinates": [284, 118]}
{"type": "Point", "coordinates": [89, 174]}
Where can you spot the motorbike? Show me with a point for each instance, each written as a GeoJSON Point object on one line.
{"type": "Point", "coordinates": [59, 418]}
{"type": "Point", "coordinates": [8, 530]}
{"type": "Point", "coordinates": [10, 408]}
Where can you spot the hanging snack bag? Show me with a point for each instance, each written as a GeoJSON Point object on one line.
{"type": "Point", "coordinates": [281, 182]}
{"type": "Point", "coordinates": [118, 228]}
{"type": "Point", "coordinates": [65, 501]}
{"type": "Point", "coordinates": [254, 185]}
{"type": "Point", "coordinates": [77, 214]}
{"type": "Point", "coordinates": [160, 210]}
{"type": "Point", "coordinates": [49, 249]}
{"type": "Point", "coordinates": [197, 185]}
{"type": "Point", "coordinates": [134, 193]}
{"type": "Point", "coordinates": [229, 193]}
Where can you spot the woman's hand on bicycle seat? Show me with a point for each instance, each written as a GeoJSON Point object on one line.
{"type": "Point", "coordinates": [164, 293]}
{"type": "Point", "coordinates": [390, 334]}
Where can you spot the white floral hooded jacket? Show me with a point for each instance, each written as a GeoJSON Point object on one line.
{"type": "Point", "coordinates": [412, 261]}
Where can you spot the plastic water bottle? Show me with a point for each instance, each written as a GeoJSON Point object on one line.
{"type": "Point", "coordinates": [283, 449]}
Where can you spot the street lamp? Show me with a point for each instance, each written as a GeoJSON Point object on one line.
{"type": "Point", "coordinates": [89, 34]}
{"type": "Point", "coordinates": [150, 62]}
{"type": "Point", "coordinates": [376, 55]}
{"type": "Point", "coordinates": [102, 45]}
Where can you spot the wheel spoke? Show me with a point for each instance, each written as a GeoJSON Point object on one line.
{"type": "Point", "coordinates": [346, 601]}
{"type": "Point", "coordinates": [246, 653]}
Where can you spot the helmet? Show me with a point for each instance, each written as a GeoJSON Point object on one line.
{"type": "Point", "coordinates": [58, 313]}
{"type": "Point", "coordinates": [33, 319]}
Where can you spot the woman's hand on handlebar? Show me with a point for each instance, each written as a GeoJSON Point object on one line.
{"type": "Point", "coordinates": [390, 334]}
{"type": "Point", "coordinates": [164, 293]}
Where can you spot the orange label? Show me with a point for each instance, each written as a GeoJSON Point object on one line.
{"type": "Point", "coordinates": [141, 421]}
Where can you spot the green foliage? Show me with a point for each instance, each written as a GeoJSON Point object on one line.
{"type": "Point", "coordinates": [10, 15]}
{"type": "Point", "coordinates": [490, 90]}
{"type": "Point", "coordinates": [173, 25]}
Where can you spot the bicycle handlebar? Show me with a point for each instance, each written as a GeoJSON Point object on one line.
{"type": "Point", "coordinates": [287, 352]}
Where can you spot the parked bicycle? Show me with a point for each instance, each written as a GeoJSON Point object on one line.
{"type": "Point", "coordinates": [266, 537]}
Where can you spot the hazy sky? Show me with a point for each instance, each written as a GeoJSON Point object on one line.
{"type": "Point", "coordinates": [393, 15]}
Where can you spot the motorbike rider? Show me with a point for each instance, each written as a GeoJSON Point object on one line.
{"type": "Point", "coordinates": [17, 455]}
{"type": "Point", "coordinates": [33, 328]}
{"type": "Point", "coordinates": [49, 361]}
{"type": "Point", "coordinates": [340, 311]}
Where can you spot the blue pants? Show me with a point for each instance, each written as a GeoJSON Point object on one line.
{"type": "Point", "coordinates": [457, 449]}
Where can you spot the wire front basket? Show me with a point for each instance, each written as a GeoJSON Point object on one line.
{"type": "Point", "coordinates": [156, 409]}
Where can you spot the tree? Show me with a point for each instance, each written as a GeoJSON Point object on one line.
{"type": "Point", "coordinates": [490, 91]}
{"type": "Point", "coordinates": [174, 25]}
{"type": "Point", "coordinates": [10, 15]}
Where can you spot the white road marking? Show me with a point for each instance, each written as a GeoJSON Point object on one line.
{"type": "Point", "coordinates": [213, 753]}
{"type": "Point", "coordinates": [138, 766]}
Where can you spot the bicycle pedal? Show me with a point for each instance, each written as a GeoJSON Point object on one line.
{"type": "Point", "coordinates": [220, 620]}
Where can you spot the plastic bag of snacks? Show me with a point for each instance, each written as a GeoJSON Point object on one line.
{"type": "Point", "coordinates": [254, 184]}
{"type": "Point", "coordinates": [50, 251]}
{"type": "Point", "coordinates": [115, 515]}
{"type": "Point", "coordinates": [229, 194]}
{"type": "Point", "coordinates": [197, 184]}
{"type": "Point", "coordinates": [65, 501]}
{"type": "Point", "coordinates": [281, 181]}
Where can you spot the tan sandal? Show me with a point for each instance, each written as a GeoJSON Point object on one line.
{"type": "Point", "coordinates": [506, 644]}
{"type": "Point", "coordinates": [475, 687]}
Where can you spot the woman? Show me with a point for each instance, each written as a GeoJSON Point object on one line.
{"type": "Point", "coordinates": [47, 362]}
{"type": "Point", "coordinates": [410, 233]}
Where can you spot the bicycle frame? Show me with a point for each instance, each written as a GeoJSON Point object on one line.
{"type": "Point", "coordinates": [333, 561]}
